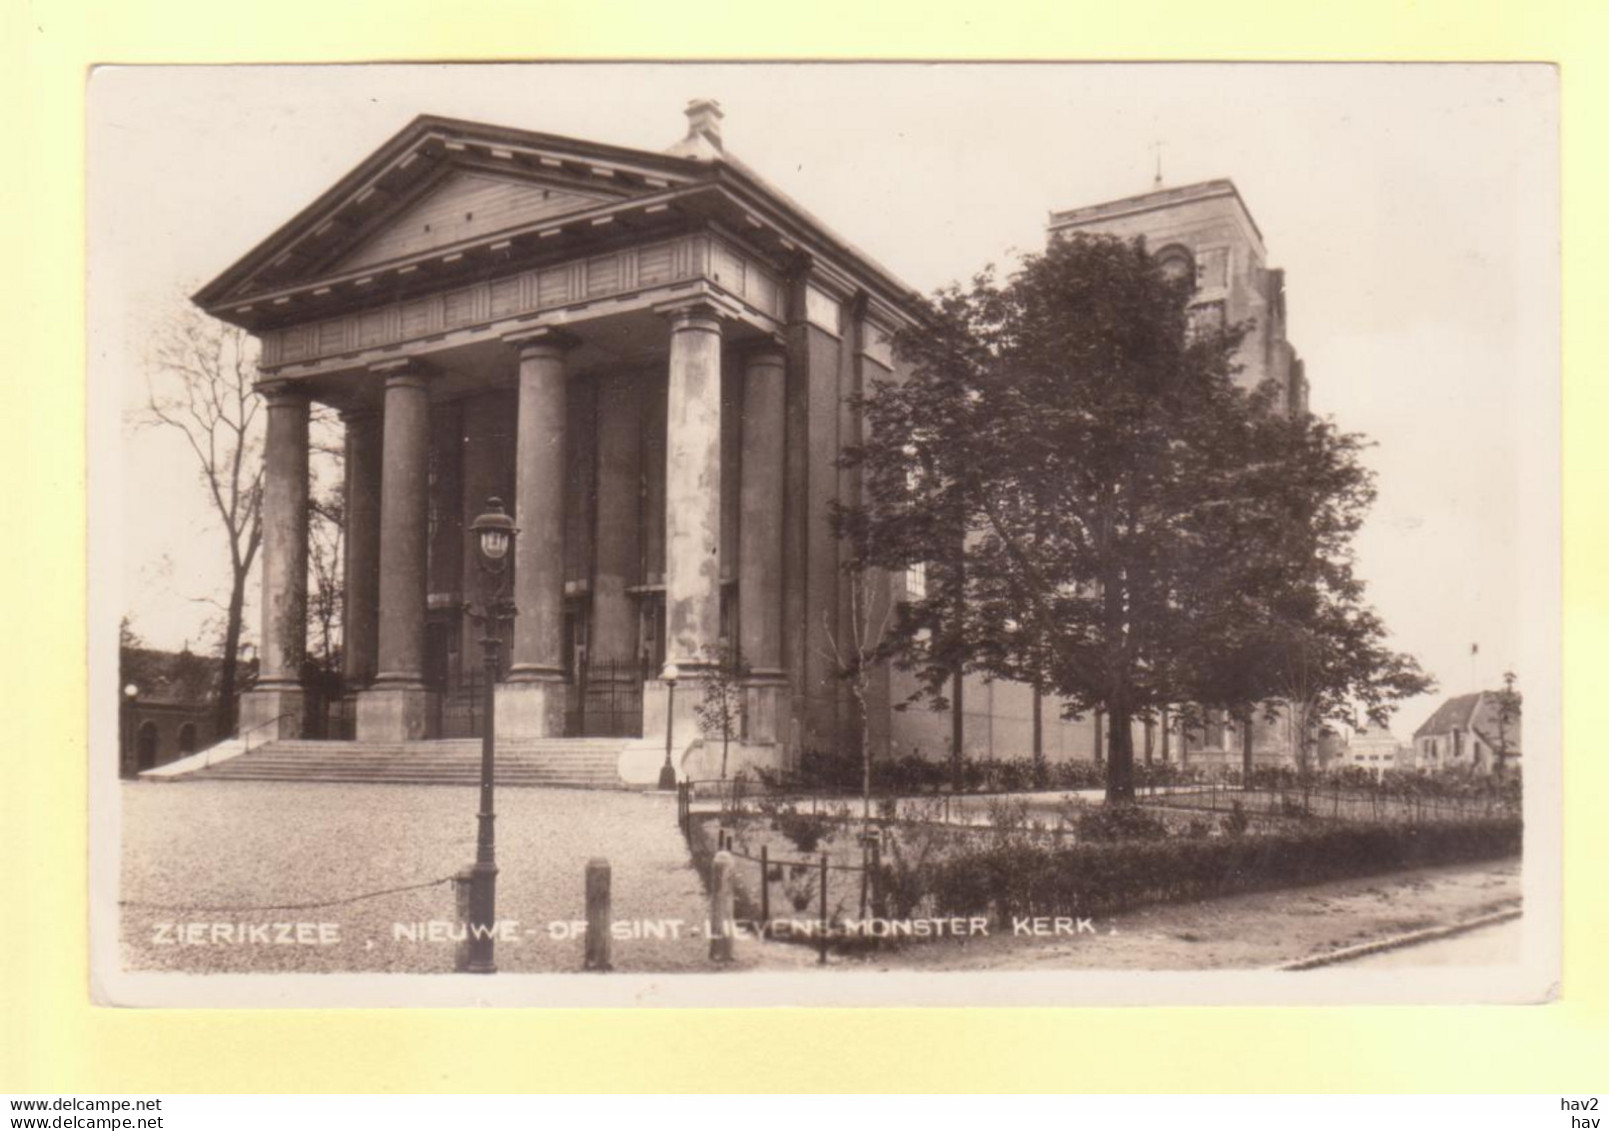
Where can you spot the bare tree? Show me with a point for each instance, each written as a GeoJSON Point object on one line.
{"type": "Point", "coordinates": [856, 653]}
{"type": "Point", "coordinates": [719, 711]}
{"type": "Point", "coordinates": [326, 538]}
{"type": "Point", "coordinates": [199, 384]}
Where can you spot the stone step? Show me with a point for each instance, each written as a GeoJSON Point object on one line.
{"type": "Point", "coordinates": [582, 762]}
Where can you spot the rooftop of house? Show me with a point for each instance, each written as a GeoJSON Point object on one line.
{"type": "Point", "coordinates": [1480, 712]}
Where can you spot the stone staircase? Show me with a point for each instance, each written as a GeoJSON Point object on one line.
{"type": "Point", "coordinates": [588, 763]}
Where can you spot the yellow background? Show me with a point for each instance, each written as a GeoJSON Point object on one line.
{"type": "Point", "coordinates": [51, 1039]}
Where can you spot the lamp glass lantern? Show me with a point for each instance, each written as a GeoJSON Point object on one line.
{"type": "Point", "coordinates": [493, 531]}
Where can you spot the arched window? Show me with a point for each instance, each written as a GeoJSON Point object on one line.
{"type": "Point", "coordinates": [1177, 263]}
{"type": "Point", "coordinates": [145, 743]}
{"type": "Point", "coordinates": [187, 739]}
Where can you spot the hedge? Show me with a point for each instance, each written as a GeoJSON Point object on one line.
{"type": "Point", "coordinates": [1020, 877]}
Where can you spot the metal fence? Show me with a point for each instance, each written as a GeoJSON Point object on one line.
{"type": "Point", "coordinates": [606, 700]}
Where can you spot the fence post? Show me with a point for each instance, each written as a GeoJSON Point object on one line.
{"type": "Point", "coordinates": [879, 910]}
{"type": "Point", "coordinates": [822, 933]}
{"type": "Point", "coordinates": [461, 888]}
{"type": "Point", "coordinates": [765, 884]}
{"type": "Point", "coordinates": [598, 916]}
{"type": "Point", "coordinates": [721, 907]}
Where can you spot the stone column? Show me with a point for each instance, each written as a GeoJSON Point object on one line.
{"type": "Point", "coordinates": [760, 545]}
{"type": "Point", "coordinates": [618, 557]}
{"type": "Point", "coordinates": [361, 607]}
{"type": "Point", "coordinates": [693, 488]}
{"type": "Point", "coordinates": [692, 515]}
{"type": "Point", "coordinates": [396, 707]}
{"type": "Point", "coordinates": [276, 704]}
{"type": "Point", "coordinates": [532, 702]}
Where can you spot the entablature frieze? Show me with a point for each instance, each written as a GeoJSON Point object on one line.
{"type": "Point", "coordinates": [645, 274]}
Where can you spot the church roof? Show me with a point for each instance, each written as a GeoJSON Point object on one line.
{"type": "Point", "coordinates": [1170, 197]}
{"type": "Point", "coordinates": [469, 194]}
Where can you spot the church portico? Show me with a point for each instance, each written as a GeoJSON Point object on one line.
{"type": "Point", "coordinates": [614, 344]}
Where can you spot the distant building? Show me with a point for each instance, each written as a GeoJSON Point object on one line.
{"type": "Point", "coordinates": [1373, 748]}
{"type": "Point", "coordinates": [166, 708]}
{"type": "Point", "coordinates": [1468, 732]}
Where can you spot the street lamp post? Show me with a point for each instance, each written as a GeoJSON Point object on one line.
{"type": "Point", "coordinates": [667, 772]}
{"type": "Point", "coordinates": [494, 534]}
{"type": "Point", "coordinates": [131, 697]}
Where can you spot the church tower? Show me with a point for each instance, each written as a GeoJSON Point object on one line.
{"type": "Point", "coordinates": [1206, 231]}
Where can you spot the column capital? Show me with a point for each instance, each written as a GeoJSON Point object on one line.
{"type": "Point", "coordinates": [766, 355]}
{"type": "Point", "coordinates": [283, 393]}
{"type": "Point", "coordinates": [696, 312]}
{"type": "Point", "coordinates": [544, 341]}
{"type": "Point", "coordinates": [404, 372]}
{"type": "Point", "coordinates": [359, 414]}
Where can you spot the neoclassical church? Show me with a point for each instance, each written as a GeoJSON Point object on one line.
{"type": "Point", "coordinates": [649, 358]}
{"type": "Point", "coordinates": [647, 355]}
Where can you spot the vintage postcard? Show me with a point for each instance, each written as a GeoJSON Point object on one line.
{"type": "Point", "coordinates": [761, 534]}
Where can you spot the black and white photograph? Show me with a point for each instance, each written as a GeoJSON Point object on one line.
{"type": "Point", "coordinates": [806, 534]}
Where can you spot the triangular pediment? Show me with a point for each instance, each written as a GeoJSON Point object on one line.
{"type": "Point", "coordinates": [438, 184]}
{"type": "Point", "coordinates": [464, 205]}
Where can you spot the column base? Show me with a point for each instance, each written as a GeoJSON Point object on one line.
{"type": "Point", "coordinates": [394, 714]}
{"type": "Point", "coordinates": [767, 706]}
{"type": "Point", "coordinates": [532, 708]}
{"type": "Point", "coordinates": [262, 707]}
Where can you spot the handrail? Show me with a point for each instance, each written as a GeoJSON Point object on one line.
{"type": "Point", "coordinates": [244, 735]}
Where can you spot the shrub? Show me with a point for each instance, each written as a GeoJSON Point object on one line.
{"type": "Point", "coordinates": [1019, 877]}
{"type": "Point", "coordinates": [1236, 823]}
{"type": "Point", "coordinates": [1119, 822]}
{"type": "Point", "coordinates": [805, 830]}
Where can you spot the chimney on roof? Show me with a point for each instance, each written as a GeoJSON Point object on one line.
{"type": "Point", "coordinates": [703, 140]}
{"type": "Point", "coordinates": [704, 120]}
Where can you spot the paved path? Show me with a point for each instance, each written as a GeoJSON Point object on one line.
{"type": "Point", "coordinates": [217, 846]}
{"type": "Point", "coordinates": [1258, 930]}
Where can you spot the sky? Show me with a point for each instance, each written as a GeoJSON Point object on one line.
{"type": "Point", "coordinates": [1413, 208]}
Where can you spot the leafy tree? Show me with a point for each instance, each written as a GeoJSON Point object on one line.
{"type": "Point", "coordinates": [1104, 513]}
{"type": "Point", "coordinates": [1508, 717]}
{"type": "Point", "coordinates": [1294, 636]}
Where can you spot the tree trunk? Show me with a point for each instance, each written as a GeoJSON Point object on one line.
{"type": "Point", "coordinates": [1120, 755]}
{"type": "Point", "coordinates": [224, 710]}
{"type": "Point", "coordinates": [957, 733]}
{"type": "Point", "coordinates": [1245, 752]}
{"type": "Point", "coordinates": [1041, 773]}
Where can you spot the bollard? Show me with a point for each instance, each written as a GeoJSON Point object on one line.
{"type": "Point", "coordinates": [765, 884]}
{"type": "Point", "coordinates": [461, 889]}
{"type": "Point", "coordinates": [598, 916]}
{"type": "Point", "coordinates": [721, 907]}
